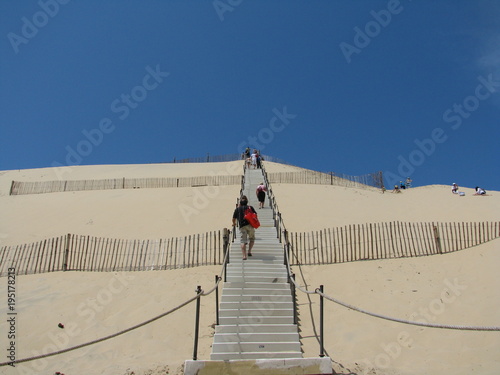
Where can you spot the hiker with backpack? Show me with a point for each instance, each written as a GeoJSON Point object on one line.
{"type": "Point", "coordinates": [246, 217]}
{"type": "Point", "coordinates": [261, 194]}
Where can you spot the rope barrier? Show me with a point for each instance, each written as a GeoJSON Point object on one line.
{"type": "Point", "coordinates": [430, 325]}
{"type": "Point", "coordinates": [381, 316]}
{"type": "Point", "coordinates": [103, 338]}
{"type": "Point", "coordinates": [199, 295]}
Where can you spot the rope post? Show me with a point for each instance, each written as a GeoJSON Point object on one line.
{"type": "Point", "coordinates": [321, 346]}
{"type": "Point", "coordinates": [217, 300]}
{"type": "Point", "coordinates": [294, 300]}
{"type": "Point", "coordinates": [197, 324]}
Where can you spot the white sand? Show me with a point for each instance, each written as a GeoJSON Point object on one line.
{"type": "Point", "coordinates": [129, 213]}
{"type": "Point", "coordinates": [92, 305]}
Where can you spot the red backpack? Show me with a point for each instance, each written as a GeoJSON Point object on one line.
{"type": "Point", "coordinates": [251, 217]}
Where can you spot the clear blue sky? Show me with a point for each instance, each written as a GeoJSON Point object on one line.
{"type": "Point", "coordinates": [411, 88]}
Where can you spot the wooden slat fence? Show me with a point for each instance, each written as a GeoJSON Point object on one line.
{"type": "Point", "coordinates": [210, 159]}
{"type": "Point", "coordinates": [387, 240]}
{"type": "Point", "coordinates": [332, 178]}
{"type": "Point", "coordinates": [88, 253]}
{"type": "Point", "coordinates": [42, 187]}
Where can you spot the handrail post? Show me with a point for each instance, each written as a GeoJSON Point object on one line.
{"type": "Point", "coordinates": [321, 342]}
{"type": "Point", "coordinates": [197, 324]}
{"type": "Point", "coordinates": [226, 249]}
{"type": "Point", "coordinates": [285, 260]}
{"type": "Point", "coordinates": [217, 300]}
{"type": "Point", "coordinates": [294, 298]}
{"type": "Point", "coordinates": [279, 231]}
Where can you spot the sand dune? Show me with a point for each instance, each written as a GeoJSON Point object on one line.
{"type": "Point", "coordinates": [457, 288]}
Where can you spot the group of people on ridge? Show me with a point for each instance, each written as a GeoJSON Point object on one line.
{"type": "Point", "coordinates": [479, 191]}
{"type": "Point", "coordinates": [252, 159]}
{"type": "Point", "coordinates": [402, 185]}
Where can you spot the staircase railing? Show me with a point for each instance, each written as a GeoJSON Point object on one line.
{"type": "Point", "coordinates": [200, 292]}
{"type": "Point", "coordinates": [282, 235]}
{"type": "Point", "coordinates": [278, 220]}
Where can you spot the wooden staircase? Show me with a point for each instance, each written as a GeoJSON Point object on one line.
{"type": "Point", "coordinates": [256, 332]}
{"type": "Point", "coordinates": [256, 311]}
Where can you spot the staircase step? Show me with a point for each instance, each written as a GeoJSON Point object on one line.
{"type": "Point", "coordinates": [253, 263]}
{"type": "Point", "coordinates": [242, 347]}
{"type": "Point", "coordinates": [256, 337]}
{"type": "Point", "coordinates": [256, 298]}
{"type": "Point", "coordinates": [255, 278]}
{"type": "Point", "coordinates": [245, 305]}
{"type": "Point", "coordinates": [256, 328]}
{"type": "Point", "coordinates": [228, 320]}
{"type": "Point", "coordinates": [233, 269]}
{"type": "Point", "coordinates": [254, 291]}
{"type": "Point", "coordinates": [264, 285]}
{"type": "Point", "coordinates": [258, 355]}
{"type": "Point", "coordinates": [255, 312]}
{"type": "Point", "coordinates": [251, 271]}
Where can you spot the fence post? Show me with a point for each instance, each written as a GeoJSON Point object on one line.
{"type": "Point", "coordinates": [286, 248]}
{"type": "Point", "coordinates": [437, 239]}
{"type": "Point", "coordinates": [321, 346]}
{"type": "Point", "coordinates": [197, 324]}
{"type": "Point", "coordinates": [66, 253]}
{"type": "Point", "coordinates": [217, 300]}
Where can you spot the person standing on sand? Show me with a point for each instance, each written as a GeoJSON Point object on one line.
{"type": "Point", "coordinates": [247, 232]}
{"type": "Point", "coordinates": [261, 194]}
{"type": "Point", "coordinates": [454, 188]}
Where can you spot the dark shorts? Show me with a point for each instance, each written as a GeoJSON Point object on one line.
{"type": "Point", "coordinates": [261, 196]}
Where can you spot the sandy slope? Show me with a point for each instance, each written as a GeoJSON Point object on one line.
{"type": "Point", "coordinates": [92, 305]}
{"type": "Point", "coordinates": [130, 213]}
